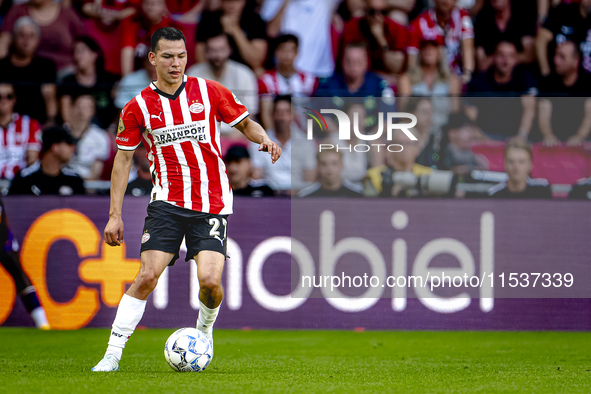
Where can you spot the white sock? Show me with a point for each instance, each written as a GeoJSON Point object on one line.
{"type": "Point", "coordinates": [129, 314]}
{"type": "Point", "coordinates": [206, 318]}
{"type": "Point", "coordinates": [39, 317]}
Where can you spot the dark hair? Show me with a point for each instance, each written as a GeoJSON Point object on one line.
{"type": "Point", "coordinates": [457, 121]}
{"type": "Point", "coordinates": [166, 33]}
{"type": "Point", "coordinates": [282, 39]}
{"type": "Point", "coordinates": [505, 42]}
{"type": "Point", "coordinates": [236, 152]}
{"type": "Point", "coordinates": [90, 43]}
{"type": "Point", "coordinates": [576, 47]}
{"type": "Point", "coordinates": [283, 97]}
{"type": "Point", "coordinates": [94, 47]}
{"type": "Point", "coordinates": [83, 93]}
{"type": "Point", "coordinates": [357, 44]}
{"type": "Point", "coordinates": [55, 135]}
{"type": "Point", "coordinates": [425, 43]}
{"type": "Point", "coordinates": [217, 35]}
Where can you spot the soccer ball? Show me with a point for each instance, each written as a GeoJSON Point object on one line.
{"type": "Point", "coordinates": [188, 350]}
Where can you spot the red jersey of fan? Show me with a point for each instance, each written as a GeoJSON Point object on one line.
{"type": "Point", "coordinates": [136, 32]}
{"type": "Point", "coordinates": [425, 28]}
{"type": "Point", "coordinates": [181, 133]}
{"type": "Point", "coordinates": [117, 5]}
{"type": "Point", "coordinates": [358, 30]}
{"type": "Point", "coordinates": [21, 135]}
{"type": "Point", "coordinates": [299, 84]}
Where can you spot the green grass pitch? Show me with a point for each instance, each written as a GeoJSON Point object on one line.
{"type": "Point", "coordinates": [304, 361]}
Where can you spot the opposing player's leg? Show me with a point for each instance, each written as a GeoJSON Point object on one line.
{"type": "Point", "coordinates": [132, 305]}
{"type": "Point", "coordinates": [24, 288]}
{"type": "Point", "coordinates": [10, 261]}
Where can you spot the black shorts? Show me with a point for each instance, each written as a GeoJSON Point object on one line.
{"type": "Point", "coordinates": [166, 225]}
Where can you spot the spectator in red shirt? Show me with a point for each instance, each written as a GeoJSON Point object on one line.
{"type": "Point", "coordinates": [137, 30]}
{"type": "Point", "coordinates": [104, 25]}
{"type": "Point", "coordinates": [185, 11]}
{"type": "Point", "coordinates": [403, 11]}
{"type": "Point", "coordinates": [59, 28]}
{"type": "Point", "coordinates": [108, 13]}
{"type": "Point", "coordinates": [20, 136]}
{"type": "Point", "coordinates": [385, 39]}
{"type": "Point", "coordinates": [284, 79]}
{"type": "Point", "coordinates": [452, 28]}
{"type": "Point", "coordinates": [348, 10]}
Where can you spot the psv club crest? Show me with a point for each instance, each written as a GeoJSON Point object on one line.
{"type": "Point", "coordinates": [196, 108]}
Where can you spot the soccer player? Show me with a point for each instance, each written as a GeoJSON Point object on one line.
{"type": "Point", "coordinates": [177, 118]}
{"type": "Point", "coordinates": [10, 261]}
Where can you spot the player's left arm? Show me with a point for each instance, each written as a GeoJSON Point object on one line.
{"type": "Point", "coordinates": [255, 133]}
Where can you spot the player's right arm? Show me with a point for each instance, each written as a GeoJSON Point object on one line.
{"type": "Point", "coordinates": [128, 138]}
{"type": "Point", "coordinates": [119, 180]}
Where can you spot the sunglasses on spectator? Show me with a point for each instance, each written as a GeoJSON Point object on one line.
{"type": "Point", "coordinates": [6, 96]}
{"type": "Point", "coordinates": [373, 11]}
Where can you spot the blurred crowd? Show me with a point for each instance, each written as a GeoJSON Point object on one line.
{"type": "Point", "coordinates": [487, 80]}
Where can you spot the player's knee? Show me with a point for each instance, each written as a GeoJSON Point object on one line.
{"type": "Point", "coordinates": [210, 284]}
{"type": "Point", "coordinates": [148, 279]}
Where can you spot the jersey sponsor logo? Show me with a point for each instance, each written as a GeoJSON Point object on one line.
{"type": "Point", "coordinates": [196, 108]}
{"type": "Point", "coordinates": [145, 237]}
{"type": "Point", "coordinates": [196, 130]}
{"type": "Point", "coordinates": [156, 117]}
{"type": "Point", "coordinates": [121, 126]}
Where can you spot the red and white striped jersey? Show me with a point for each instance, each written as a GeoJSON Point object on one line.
{"type": "Point", "coordinates": [425, 28]}
{"type": "Point", "coordinates": [299, 84]}
{"type": "Point", "coordinates": [18, 137]}
{"type": "Point", "coordinates": [182, 136]}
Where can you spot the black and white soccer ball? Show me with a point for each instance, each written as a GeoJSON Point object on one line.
{"type": "Point", "coordinates": [188, 350]}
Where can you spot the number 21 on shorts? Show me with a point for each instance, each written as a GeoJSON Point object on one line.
{"type": "Point", "coordinates": [215, 225]}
